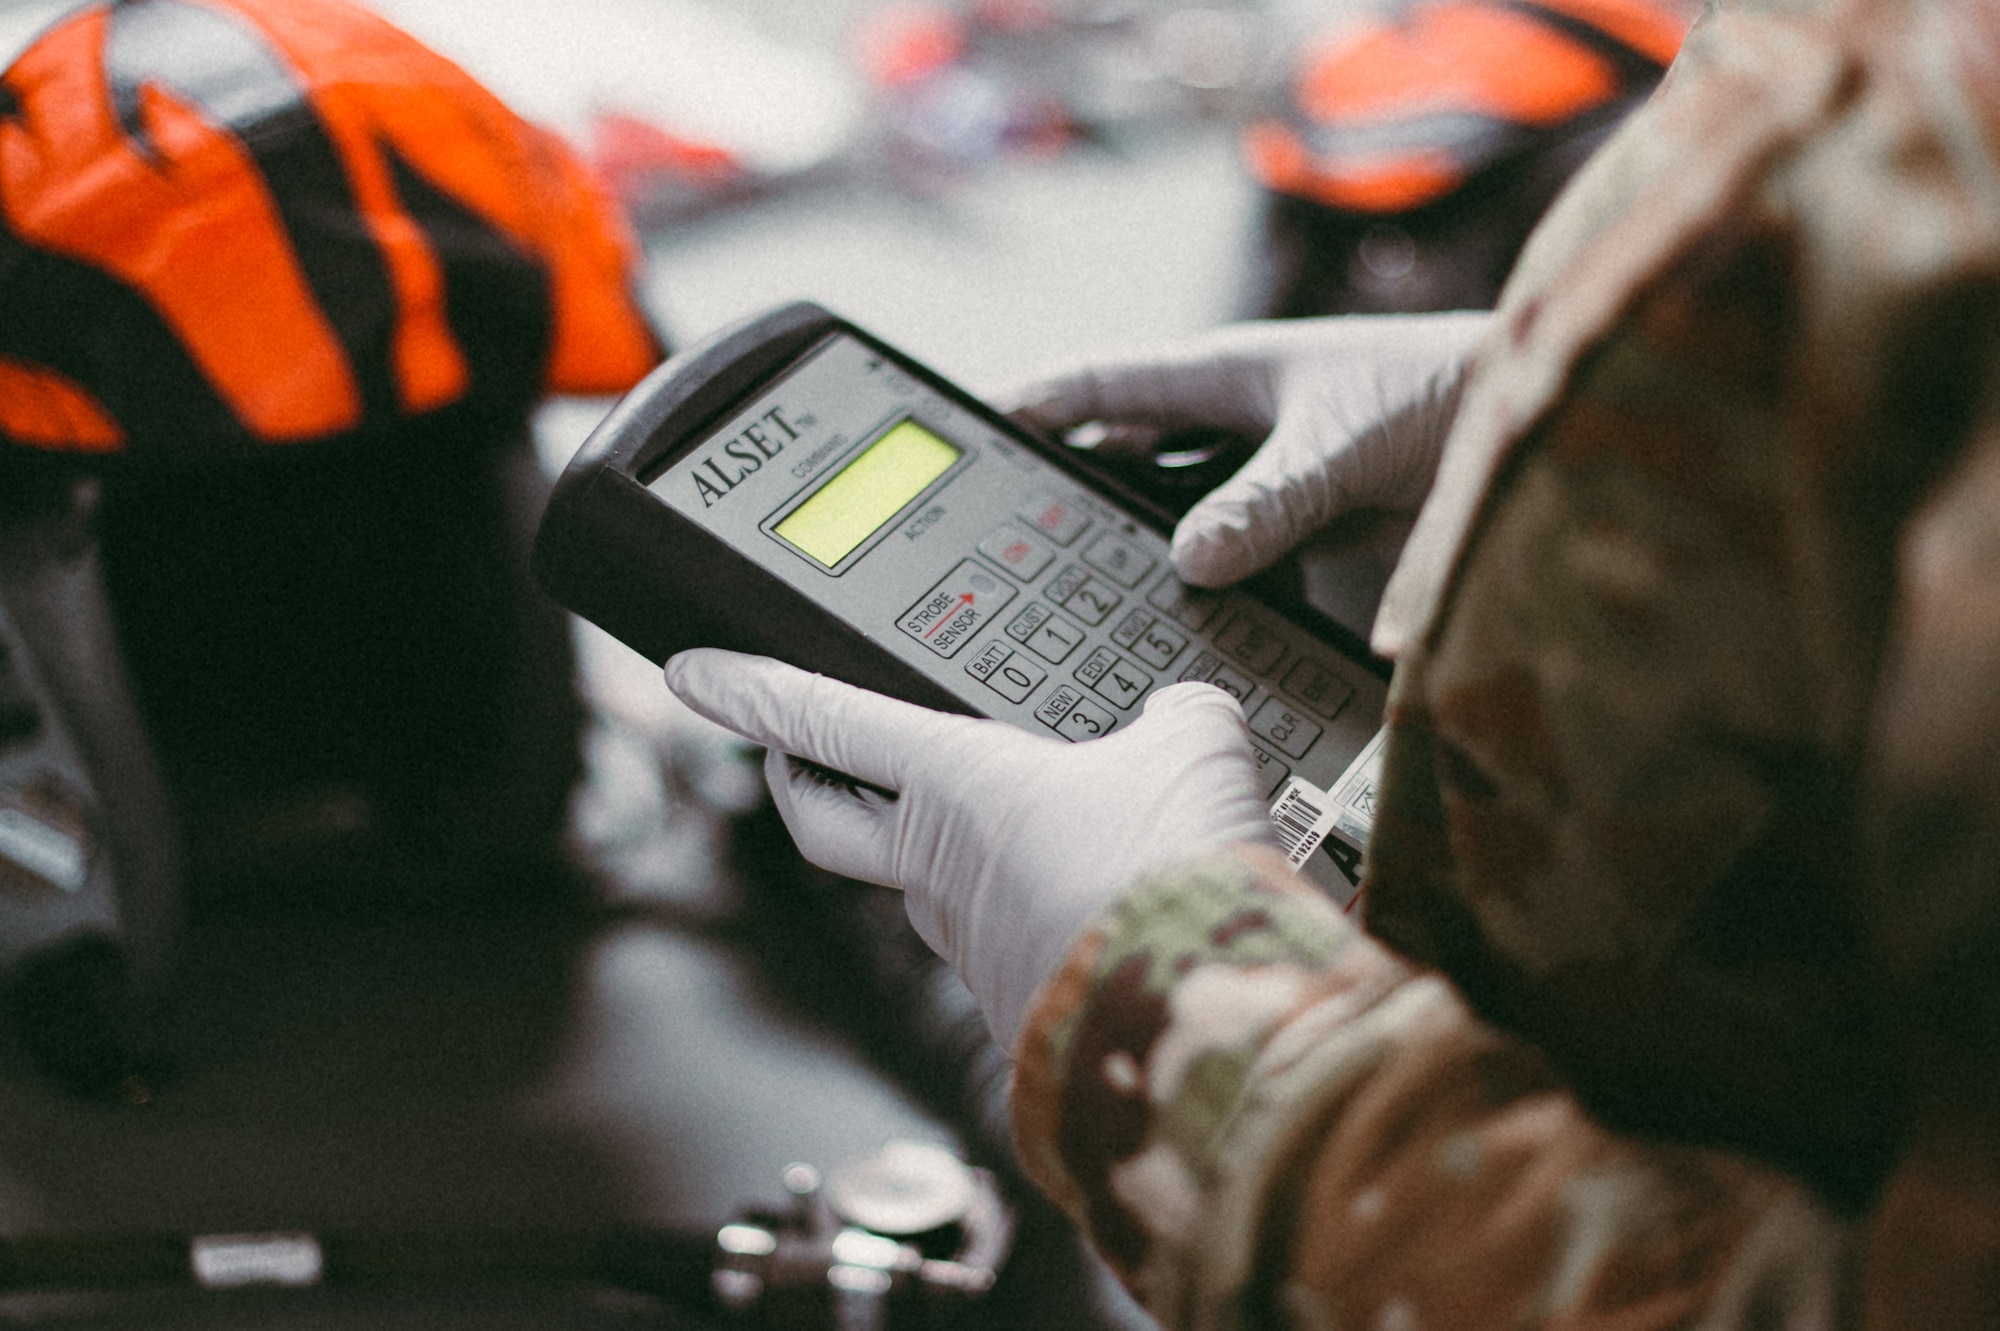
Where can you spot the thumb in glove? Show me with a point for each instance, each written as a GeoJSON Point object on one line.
{"type": "Point", "coordinates": [1352, 411]}
{"type": "Point", "coordinates": [1005, 843]}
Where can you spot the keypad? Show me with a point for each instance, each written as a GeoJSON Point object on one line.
{"type": "Point", "coordinates": [1101, 607]}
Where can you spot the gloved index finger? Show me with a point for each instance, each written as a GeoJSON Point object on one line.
{"type": "Point", "coordinates": [865, 735]}
{"type": "Point", "coordinates": [1171, 388]}
{"type": "Point", "coordinates": [1288, 489]}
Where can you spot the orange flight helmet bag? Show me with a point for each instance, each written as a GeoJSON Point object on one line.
{"type": "Point", "coordinates": [1415, 149]}
{"type": "Point", "coordinates": [228, 223]}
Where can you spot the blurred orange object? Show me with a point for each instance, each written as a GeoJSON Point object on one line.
{"type": "Point", "coordinates": [902, 44]}
{"type": "Point", "coordinates": [1396, 113]}
{"type": "Point", "coordinates": [631, 155]}
{"type": "Point", "coordinates": [273, 221]}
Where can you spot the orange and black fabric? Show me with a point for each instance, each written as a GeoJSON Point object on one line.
{"type": "Point", "coordinates": [230, 223]}
{"type": "Point", "coordinates": [1397, 113]}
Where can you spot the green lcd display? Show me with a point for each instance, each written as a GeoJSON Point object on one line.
{"type": "Point", "coordinates": [867, 492]}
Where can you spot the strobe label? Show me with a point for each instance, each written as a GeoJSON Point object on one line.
{"type": "Point", "coordinates": [953, 611]}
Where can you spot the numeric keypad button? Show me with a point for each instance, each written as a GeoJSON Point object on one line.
{"type": "Point", "coordinates": [1158, 646]}
{"type": "Point", "coordinates": [1190, 608]}
{"type": "Point", "coordinates": [1114, 678]}
{"type": "Point", "coordinates": [1017, 552]}
{"type": "Point", "coordinates": [1033, 615]}
{"type": "Point", "coordinates": [1073, 716]}
{"type": "Point", "coordinates": [1085, 721]}
{"type": "Point", "coordinates": [1232, 682]}
{"type": "Point", "coordinates": [1064, 584]}
{"type": "Point", "coordinates": [1045, 633]}
{"type": "Point", "coordinates": [1201, 669]}
{"type": "Point", "coordinates": [1284, 726]}
{"type": "Point", "coordinates": [1013, 677]}
{"type": "Point", "coordinates": [1092, 602]}
{"type": "Point", "coordinates": [1055, 640]}
{"type": "Point", "coordinates": [1055, 517]}
{"type": "Point", "coordinates": [1315, 685]}
{"type": "Point", "coordinates": [1082, 595]}
{"type": "Point", "coordinates": [1130, 627]}
{"type": "Point", "coordinates": [988, 660]}
{"type": "Point", "coordinates": [1119, 559]}
{"type": "Point", "coordinates": [1253, 643]}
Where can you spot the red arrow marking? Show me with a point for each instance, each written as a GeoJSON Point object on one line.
{"type": "Point", "coordinates": [964, 599]}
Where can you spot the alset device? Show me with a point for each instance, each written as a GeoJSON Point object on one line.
{"type": "Point", "coordinates": [797, 488]}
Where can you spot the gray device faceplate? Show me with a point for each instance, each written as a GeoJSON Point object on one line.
{"type": "Point", "coordinates": [1016, 588]}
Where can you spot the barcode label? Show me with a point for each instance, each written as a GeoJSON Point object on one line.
{"type": "Point", "coordinates": [1302, 817]}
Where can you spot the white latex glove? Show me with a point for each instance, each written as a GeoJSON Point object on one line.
{"type": "Point", "coordinates": [1005, 843]}
{"type": "Point", "coordinates": [1353, 412]}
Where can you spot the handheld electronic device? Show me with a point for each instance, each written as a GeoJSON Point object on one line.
{"type": "Point", "coordinates": [796, 488]}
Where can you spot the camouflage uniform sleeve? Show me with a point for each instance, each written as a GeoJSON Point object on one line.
{"type": "Point", "coordinates": [1265, 1119]}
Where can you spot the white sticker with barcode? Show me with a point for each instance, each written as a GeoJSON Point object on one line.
{"type": "Point", "coordinates": [1304, 815]}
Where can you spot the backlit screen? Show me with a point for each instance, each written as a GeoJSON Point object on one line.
{"type": "Point", "coordinates": [867, 492]}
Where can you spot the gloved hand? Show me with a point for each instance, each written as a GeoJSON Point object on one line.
{"type": "Point", "coordinates": [1355, 409]}
{"type": "Point", "coordinates": [1005, 843]}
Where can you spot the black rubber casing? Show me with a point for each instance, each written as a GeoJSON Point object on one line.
{"type": "Point", "coordinates": [626, 561]}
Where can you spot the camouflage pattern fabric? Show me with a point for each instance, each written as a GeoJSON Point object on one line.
{"type": "Point", "coordinates": [1687, 844]}
{"type": "Point", "coordinates": [1266, 1119]}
